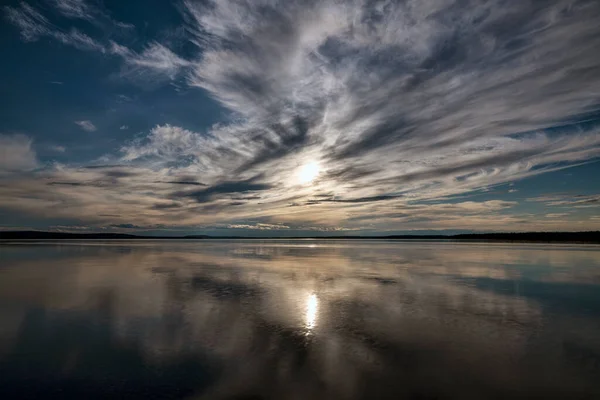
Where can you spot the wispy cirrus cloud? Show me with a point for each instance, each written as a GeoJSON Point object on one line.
{"type": "Point", "coordinates": [258, 226]}
{"type": "Point", "coordinates": [154, 61]}
{"type": "Point", "coordinates": [569, 200]}
{"type": "Point", "coordinates": [74, 8]}
{"type": "Point", "coordinates": [31, 23]}
{"type": "Point", "coordinates": [91, 12]}
{"type": "Point", "coordinates": [79, 40]}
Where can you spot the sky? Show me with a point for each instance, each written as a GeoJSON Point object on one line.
{"type": "Point", "coordinates": [286, 117]}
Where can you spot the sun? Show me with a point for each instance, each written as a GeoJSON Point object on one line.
{"type": "Point", "coordinates": [308, 172]}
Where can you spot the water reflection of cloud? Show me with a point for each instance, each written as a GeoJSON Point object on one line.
{"type": "Point", "coordinates": [74, 355]}
{"type": "Point", "coordinates": [378, 307]}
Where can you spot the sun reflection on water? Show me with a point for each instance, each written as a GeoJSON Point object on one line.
{"type": "Point", "coordinates": [312, 307]}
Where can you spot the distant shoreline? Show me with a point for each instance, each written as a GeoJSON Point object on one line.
{"type": "Point", "coordinates": [536, 237]}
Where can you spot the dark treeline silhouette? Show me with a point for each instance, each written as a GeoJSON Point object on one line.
{"type": "Point", "coordinates": [593, 236]}
{"type": "Point", "coordinates": [567, 237]}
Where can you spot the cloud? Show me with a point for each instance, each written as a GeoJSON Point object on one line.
{"type": "Point", "coordinates": [187, 183]}
{"type": "Point", "coordinates": [33, 25]}
{"type": "Point", "coordinates": [30, 22]}
{"type": "Point", "coordinates": [218, 154]}
{"type": "Point", "coordinates": [119, 194]}
{"type": "Point", "coordinates": [124, 127]}
{"type": "Point", "coordinates": [400, 104]}
{"type": "Point", "coordinates": [167, 142]}
{"type": "Point", "coordinates": [155, 58]}
{"type": "Point", "coordinates": [154, 65]}
{"type": "Point", "coordinates": [74, 9]}
{"type": "Point", "coordinates": [126, 226]}
{"type": "Point", "coordinates": [124, 25]}
{"type": "Point", "coordinates": [557, 215]}
{"type": "Point", "coordinates": [92, 13]}
{"type": "Point", "coordinates": [422, 99]}
{"type": "Point", "coordinates": [369, 199]}
{"type": "Point", "coordinates": [86, 125]}
{"type": "Point", "coordinates": [569, 200]}
{"type": "Point", "coordinates": [262, 227]}
{"type": "Point", "coordinates": [205, 195]}
{"type": "Point", "coordinates": [79, 40]}
{"type": "Point", "coordinates": [16, 153]}
{"type": "Point", "coordinates": [154, 61]}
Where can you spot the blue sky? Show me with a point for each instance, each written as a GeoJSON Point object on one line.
{"type": "Point", "coordinates": [300, 117]}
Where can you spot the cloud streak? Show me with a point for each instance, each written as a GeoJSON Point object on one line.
{"type": "Point", "coordinates": [86, 125]}
{"type": "Point", "coordinates": [154, 61]}
{"type": "Point", "coordinates": [74, 9]}
{"type": "Point", "coordinates": [31, 23]}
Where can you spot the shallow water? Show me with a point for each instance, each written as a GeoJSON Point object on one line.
{"type": "Point", "coordinates": [304, 319]}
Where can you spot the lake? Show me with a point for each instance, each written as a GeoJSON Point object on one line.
{"type": "Point", "coordinates": [299, 319]}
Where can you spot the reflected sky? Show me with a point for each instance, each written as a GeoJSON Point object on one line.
{"type": "Point", "coordinates": [298, 319]}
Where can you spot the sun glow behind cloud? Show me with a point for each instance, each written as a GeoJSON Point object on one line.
{"type": "Point", "coordinates": [308, 172]}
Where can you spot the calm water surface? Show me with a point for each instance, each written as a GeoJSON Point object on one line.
{"type": "Point", "coordinates": [299, 319]}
